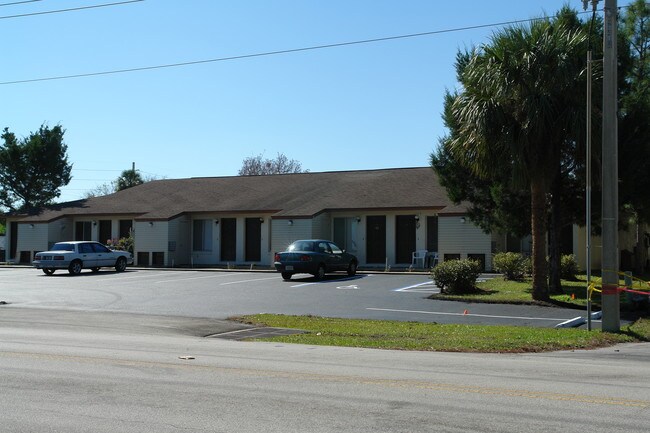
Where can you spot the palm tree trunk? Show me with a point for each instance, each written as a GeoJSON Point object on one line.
{"type": "Point", "coordinates": [538, 228]}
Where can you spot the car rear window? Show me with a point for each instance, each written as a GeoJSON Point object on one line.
{"type": "Point", "coordinates": [301, 246]}
{"type": "Point", "coordinates": [63, 247]}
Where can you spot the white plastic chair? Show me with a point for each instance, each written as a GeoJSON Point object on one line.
{"type": "Point", "coordinates": [418, 255]}
{"type": "Point", "coordinates": [433, 259]}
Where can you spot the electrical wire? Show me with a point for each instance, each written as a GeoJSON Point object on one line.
{"type": "Point", "coordinates": [269, 53]}
{"type": "Point", "coordinates": [94, 169]}
{"type": "Point", "coordinates": [67, 10]}
{"type": "Point", "coordinates": [263, 54]}
{"type": "Point", "coordinates": [19, 3]}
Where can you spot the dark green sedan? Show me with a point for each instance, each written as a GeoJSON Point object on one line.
{"type": "Point", "coordinates": [314, 256]}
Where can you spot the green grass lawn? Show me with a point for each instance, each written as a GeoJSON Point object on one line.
{"type": "Point", "coordinates": [497, 290]}
{"type": "Point", "coordinates": [462, 338]}
{"type": "Point", "coordinates": [447, 338]}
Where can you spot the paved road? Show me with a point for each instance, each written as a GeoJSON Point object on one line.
{"type": "Point", "coordinates": [112, 372]}
{"type": "Point", "coordinates": [219, 295]}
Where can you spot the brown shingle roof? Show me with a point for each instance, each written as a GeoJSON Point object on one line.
{"type": "Point", "coordinates": [285, 195]}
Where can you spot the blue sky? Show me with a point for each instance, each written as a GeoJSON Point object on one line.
{"type": "Point", "coordinates": [366, 106]}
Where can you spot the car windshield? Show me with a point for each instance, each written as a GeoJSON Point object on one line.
{"type": "Point", "coordinates": [63, 247]}
{"type": "Point", "coordinates": [301, 246]}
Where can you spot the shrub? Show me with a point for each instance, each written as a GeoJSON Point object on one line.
{"type": "Point", "coordinates": [568, 267]}
{"type": "Point", "coordinates": [513, 266]}
{"type": "Point", "coordinates": [456, 276]}
{"type": "Point", "coordinates": [125, 244]}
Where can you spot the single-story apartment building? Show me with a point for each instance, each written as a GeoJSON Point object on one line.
{"type": "Point", "coordinates": [382, 216]}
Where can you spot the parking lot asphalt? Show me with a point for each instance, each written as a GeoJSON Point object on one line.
{"type": "Point", "coordinates": [219, 295]}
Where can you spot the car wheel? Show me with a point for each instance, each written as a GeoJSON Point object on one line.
{"type": "Point", "coordinates": [286, 275]}
{"type": "Point", "coordinates": [120, 265]}
{"type": "Point", "coordinates": [48, 271]}
{"type": "Point", "coordinates": [352, 269]}
{"type": "Point", "coordinates": [95, 269]}
{"type": "Point", "coordinates": [320, 274]}
{"type": "Point", "coordinates": [75, 267]}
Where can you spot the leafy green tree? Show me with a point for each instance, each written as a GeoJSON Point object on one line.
{"type": "Point", "coordinates": [33, 169]}
{"type": "Point", "coordinates": [634, 122]}
{"type": "Point", "coordinates": [635, 27]}
{"type": "Point", "coordinates": [493, 201]}
{"type": "Point", "coordinates": [516, 109]}
{"type": "Point", "coordinates": [498, 203]}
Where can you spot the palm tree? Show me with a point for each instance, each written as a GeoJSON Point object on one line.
{"type": "Point", "coordinates": [128, 179]}
{"type": "Point", "coordinates": [517, 108]}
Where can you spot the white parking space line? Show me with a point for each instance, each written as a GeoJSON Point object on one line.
{"type": "Point", "coordinates": [203, 277]}
{"type": "Point", "coordinates": [303, 285]}
{"type": "Point", "coordinates": [248, 281]}
{"type": "Point", "coordinates": [416, 287]}
{"type": "Point", "coordinates": [338, 280]}
{"type": "Point", "coordinates": [132, 276]}
{"type": "Point", "coordinates": [550, 319]}
{"type": "Point", "coordinates": [350, 287]}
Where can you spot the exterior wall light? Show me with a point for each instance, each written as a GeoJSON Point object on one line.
{"type": "Point", "coordinates": [358, 219]}
{"type": "Point", "coordinates": [150, 223]}
{"type": "Point", "coordinates": [290, 222]}
{"type": "Point", "coordinates": [462, 220]}
{"type": "Point", "coordinates": [261, 220]}
{"type": "Point", "coordinates": [216, 221]}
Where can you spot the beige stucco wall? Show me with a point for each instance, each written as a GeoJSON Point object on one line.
{"type": "Point", "coordinates": [32, 238]}
{"type": "Point", "coordinates": [627, 240]}
{"type": "Point", "coordinates": [457, 237]}
{"type": "Point", "coordinates": [213, 257]}
{"type": "Point", "coordinates": [179, 247]}
{"type": "Point", "coordinates": [284, 232]}
{"type": "Point", "coordinates": [150, 237]}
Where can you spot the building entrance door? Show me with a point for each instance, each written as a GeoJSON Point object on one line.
{"type": "Point", "coordinates": [376, 239]}
{"type": "Point", "coordinates": [404, 238]}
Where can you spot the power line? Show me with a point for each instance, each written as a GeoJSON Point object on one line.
{"type": "Point", "coordinates": [19, 3]}
{"type": "Point", "coordinates": [66, 10]}
{"type": "Point", "coordinates": [263, 54]}
{"type": "Point", "coordinates": [91, 180]}
{"type": "Point", "coordinates": [93, 169]}
{"type": "Point", "coordinates": [270, 53]}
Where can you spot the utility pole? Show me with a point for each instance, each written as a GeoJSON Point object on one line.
{"type": "Point", "coordinates": [610, 295]}
{"type": "Point", "coordinates": [594, 6]}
